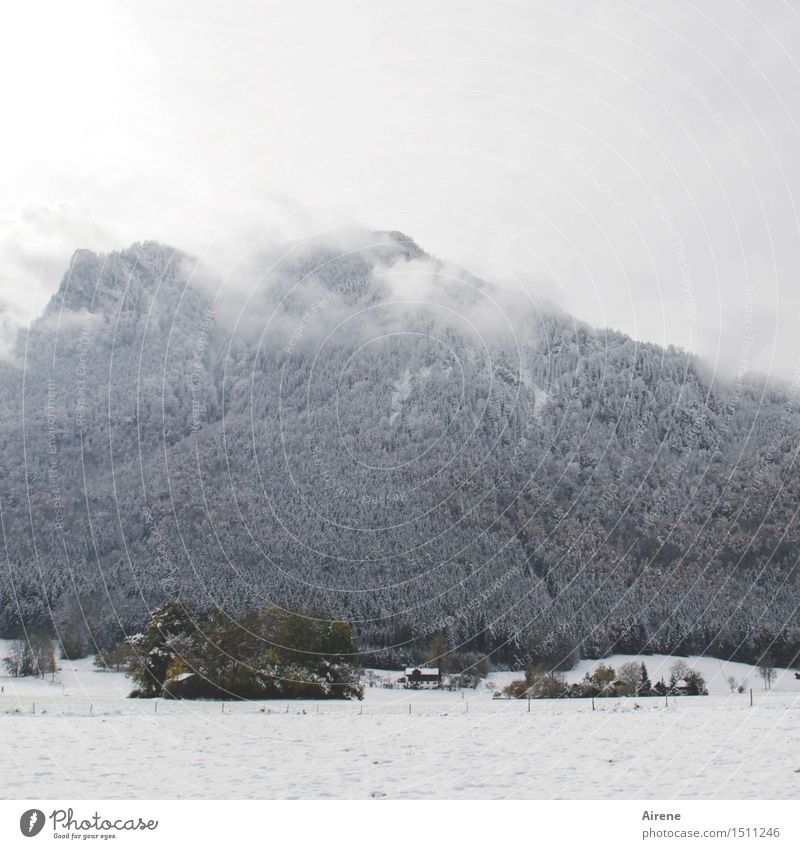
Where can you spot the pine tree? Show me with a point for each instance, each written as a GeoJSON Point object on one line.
{"type": "Point", "coordinates": [644, 681]}
{"type": "Point", "coordinates": [436, 655]}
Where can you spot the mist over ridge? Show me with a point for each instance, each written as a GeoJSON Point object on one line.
{"type": "Point", "coordinates": [356, 427]}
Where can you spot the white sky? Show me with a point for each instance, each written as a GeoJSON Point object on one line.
{"type": "Point", "coordinates": [522, 140]}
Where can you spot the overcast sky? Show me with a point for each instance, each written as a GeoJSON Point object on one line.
{"type": "Point", "coordinates": [635, 162]}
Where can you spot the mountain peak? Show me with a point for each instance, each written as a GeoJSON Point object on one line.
{"type": "Point", "coordinates": [98, 280]}
{"type": "Point", "coordinates": [408, 245]}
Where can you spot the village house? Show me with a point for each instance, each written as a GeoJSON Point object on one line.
{"type": "Point", "coordinates": [418, 677]}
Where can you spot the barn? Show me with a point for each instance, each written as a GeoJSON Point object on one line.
{"type": "Point", "coordinates": [417, 677]}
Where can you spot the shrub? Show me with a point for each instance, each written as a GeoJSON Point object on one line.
{"type": "Point", "coordinates": [551, 685]}
{"type": "Point", "coordinates": [602, 678]}
{"type": "Point", "coordinates": [263, 654]}
{"type": "Point", "coordinates": [696, 684]}
{"type": "Point", "coordinates": [517, 689]}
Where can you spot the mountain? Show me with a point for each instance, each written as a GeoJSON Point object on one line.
{"type": "Point", "coordinates": [363, 430]}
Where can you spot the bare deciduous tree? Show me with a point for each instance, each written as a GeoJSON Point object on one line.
{"type": "Point", "coordinates": [631, 674]}
{"type": "Point", "coordinates": [766, 669]}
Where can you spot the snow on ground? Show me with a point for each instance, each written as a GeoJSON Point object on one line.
{"type": "Point", "coordinates": [86, 741]}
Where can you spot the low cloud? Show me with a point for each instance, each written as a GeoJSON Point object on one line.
{"type": "Point", "coordinates": [36, 243]}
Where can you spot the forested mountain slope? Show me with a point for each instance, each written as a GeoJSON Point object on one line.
{"type": "Point", "coordinates": [373, 434]}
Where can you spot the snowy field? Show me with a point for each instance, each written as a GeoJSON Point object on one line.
{"type": "Point", "coordinates": [85, 740]}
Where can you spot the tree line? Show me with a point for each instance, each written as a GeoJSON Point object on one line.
{"type": "Point", "coordinates": [632, 679]}
{"type": "Point", "coordinates": [643, 507]}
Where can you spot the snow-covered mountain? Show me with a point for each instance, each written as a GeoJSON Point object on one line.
{"type": "Point", "coordinates": [367, 431]}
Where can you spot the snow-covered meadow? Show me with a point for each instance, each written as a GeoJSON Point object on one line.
{"type": "Point", "coordinates": [86, 740]}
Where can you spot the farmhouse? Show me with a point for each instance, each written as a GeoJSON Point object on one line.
{"type": "Point", "coordinates": [421, 676]}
